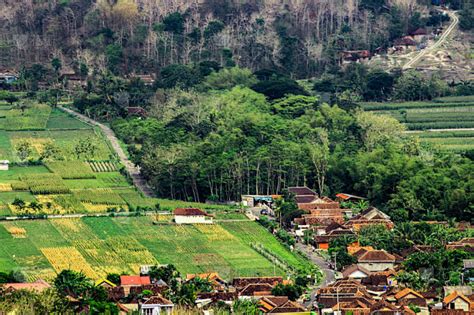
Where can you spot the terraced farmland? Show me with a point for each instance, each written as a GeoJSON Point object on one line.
{"type": "Point", "coordinates": [433, 121]}
{"type": "Point", "coordinates": [100, 245]}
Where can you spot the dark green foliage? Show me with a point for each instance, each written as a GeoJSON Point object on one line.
{"type": "Point", "coordinates": [213, 28]}
{"type": "Point", "coordinates": [277, 87]}
{"type": "Point", "coordinates": [114, 54]}
{"type": "Point", "coordinates": [174, 23]}
{"type": "Point", "coordinates": [293, 292]}
{"type": "Point", "coordinates": [166, 273]}
{"type": "Point", "coordinates": [338, 251]}
{"type": "Point", "coordinates": [114, 278]}
{"type": "Point", "coordinates": [177, 75]}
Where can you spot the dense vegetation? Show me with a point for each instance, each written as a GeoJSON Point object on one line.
{"type": "Point", "coordinates": [126, 36]}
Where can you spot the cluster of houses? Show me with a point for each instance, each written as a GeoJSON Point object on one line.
{"type": "Point", "coordinates": [369, 286]}
{"type": "Point", "coordinates": [139, 294]}
{"type": "Point", "coordinates": [417, 39]}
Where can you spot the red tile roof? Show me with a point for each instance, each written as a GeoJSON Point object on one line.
{"type": "Point", "coordinates": [189, 212]}
{"type": "Point", "coordinates": [134, 280]}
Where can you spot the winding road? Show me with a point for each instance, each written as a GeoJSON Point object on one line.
{"type": "Point", "coordinates": [438, 43]}
{"type": "Point", "coordinates": [131, 168]}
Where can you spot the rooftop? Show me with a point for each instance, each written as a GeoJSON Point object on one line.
{"type": "Point", "coordinates": [189, 212]}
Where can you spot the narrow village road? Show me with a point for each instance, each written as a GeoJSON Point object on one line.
{"type": "Point", "coordinates": [131, 168]}
{"type": "Point", "coordinates": [438, 43]}
{"type": "Point", "coordinates": [328, 274]}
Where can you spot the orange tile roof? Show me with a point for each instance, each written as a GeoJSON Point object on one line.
{"type": "Point", "coordinates": [38, 286]}
{"type": "Point", "coordinates": [407, 291]}
{"type": "Point", "coordinates": [134, 280]}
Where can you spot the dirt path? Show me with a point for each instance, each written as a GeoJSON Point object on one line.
{"type": "Point", "coordinates": [131, 168]}
{"type": "Point", "coordinates": [438, 43]}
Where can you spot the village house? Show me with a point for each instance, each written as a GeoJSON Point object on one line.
{"type": "Point", "coordinates": [355, 272]}
{"type": "Point", "coordinates": [332, 231]}
{"type": "Point", "coordinates": [349, 56]}
{"type": "Point", "coordinates": [404, 44]}
{"type": "Point", "coordinates": [218, 284]}
{"type": "Point", "coordinates": [147, 79]}
{"type": "Point", "coordinates": [279, 304]}
{"type": "Point", "coordinates": [105, 284]}
{"type": "Point", "coordinates": [191, 216]}
{"type": "Point", "coordinates": [8, 77]}
{"type": "Point", "coordinates": [4, 165]}
{"type": "Point", "coordinates": [409, 297]}
{"type": "Point", "coordinates": [465, 244]}
{"type": "Point", "coordinates": [370, 216]}
{"type": "Point", "coordinates": [458, 301]}
{"type": "Point", "coordinates": [156, 305]}
{"type": "Point", "coordinates": [375, 260]}
{"type": "Point", "coordinates": [419, 35]}
{"type": "Point", "coordinates": [128, 282]}
{"type": "Point", "coordinates": [37, 286]}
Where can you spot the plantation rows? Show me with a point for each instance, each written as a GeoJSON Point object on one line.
{"type": "Point", "coordinates": [103, 166]}
{"type": "Point", "coordinates": [441, 125]}
{"type": "Point", "coordinates": [446, 134]}
{"type": "Point", "coordinates": [411, 105]}
{"type": "Point", "coordinates": [100, 245]}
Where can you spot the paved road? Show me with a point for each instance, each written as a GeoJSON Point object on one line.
{"type": "Point", "coordinates": [328, 274]}
{"type": "Point", "coordinates": [131, 168]}
{"type": "Point", "coordinates": [438, 43]}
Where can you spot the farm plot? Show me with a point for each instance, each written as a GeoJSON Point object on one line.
{"type": "Point", "coordinates": [31, 118]}
{"type": "Point", "coordinates": [103, 166]}
{"type": "Point", "coordinates": [71, 170]}
{"type": "Point", "coordinates": [42, 184]}
{"type": "Point", "coordinates": [443, 113]}
{"type": "Point", "coordinates": [101, 196]}
{"type": "Point", "coordinates": [61, 120]}
{"type": "Point", "coordinates": [97, 246]}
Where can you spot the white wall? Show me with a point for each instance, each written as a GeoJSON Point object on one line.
{"type": "Point", "coordinates": [191, 219]}
{"type": "Point", "coordinates": [377, 266]}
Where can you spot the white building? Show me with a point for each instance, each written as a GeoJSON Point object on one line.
{"type": "Point", "coordinates": [191, 216]}
{"type": "Point", "coordinates": [4, 165]}
{"type": "Point", "coordinates": [156, 305]}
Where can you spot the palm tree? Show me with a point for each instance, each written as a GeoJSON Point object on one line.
{"type": "Point", "coordinates": [242, 307]}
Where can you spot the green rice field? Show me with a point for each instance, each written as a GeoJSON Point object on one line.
{"type": "Point", "coordinates": [456, 112]}
{"type": "Point", "coordinates": [97, 246]}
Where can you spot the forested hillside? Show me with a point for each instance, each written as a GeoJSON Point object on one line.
{"type": "Point", "coordinates": [301, 38]}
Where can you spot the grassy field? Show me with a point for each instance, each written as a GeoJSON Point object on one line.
{"type": "Point", "coordinates": [97, 246]}
{"type": "Point", "coordinates": [70, 183]}
{"type": "Point", "coordinates": [456, 112]}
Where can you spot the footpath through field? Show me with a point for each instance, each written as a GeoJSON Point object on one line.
{"type": "Point", "coordinates": [438, 43]}
{"type": "Point", "coordinates": [131, 168]}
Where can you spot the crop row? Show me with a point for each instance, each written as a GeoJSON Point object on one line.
{"type": "Point", "coordinates": [441, 125]}
{"type": "Point", "coordinates": [71, 170]}
{"type": "Point", "coordinates": [409, 105]}
{"type": "Point", "coordinates": [99, 196]}
{"type": "Point", "coordinates": [446, 134]}
{"type": "Point", "coordinates": [106, 166]}
{"type": "Point", "coordinates": [42, 184]}
{"type": "Point", "coordinates": [454, 99]}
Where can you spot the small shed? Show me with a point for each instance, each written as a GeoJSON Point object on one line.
{"type": "Point", "coordinates": [4, 165]}
{"type": "Point", "coordinates": [191, 216]}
